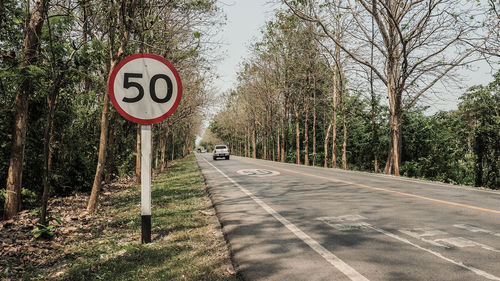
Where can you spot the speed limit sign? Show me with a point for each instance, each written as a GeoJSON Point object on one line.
{"type": "Point", "coordinates": [145, 88]}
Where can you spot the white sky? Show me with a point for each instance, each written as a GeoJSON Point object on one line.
{"type": "Point", "coordinates": [245, 18]}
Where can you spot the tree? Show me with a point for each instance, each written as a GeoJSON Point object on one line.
{"type": "Point", "coordinates": [33, 31]}
{"type": "Point", "coordinates": [125, 11]}
{"type": "Point", "coordinates": [59, 71]}
{"type": "Point", "coordinates": [417, 46]}
{"type": "Point", "coordinates": [481, 106]}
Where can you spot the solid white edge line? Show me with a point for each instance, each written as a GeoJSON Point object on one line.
{"type": "Point", "coordinates": [343, 267]}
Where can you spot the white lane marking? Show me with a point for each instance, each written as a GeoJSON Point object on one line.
{"type": "Point", "coordinates": [426, 232]}
{"type": "Point", "coordinates": [475, 229]}
{"type": "Point", "coordinates": [346, 269]}
{"type": "Point", "coordinates": [471, 268]}
{"type": "Point", "coordinates": [461, 242]}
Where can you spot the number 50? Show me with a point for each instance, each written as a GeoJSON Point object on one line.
{"type": "Point", "coordinates": [152, 90]}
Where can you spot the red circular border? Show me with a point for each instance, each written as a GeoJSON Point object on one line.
{"type": "Point", "coordinates": [112, 91]}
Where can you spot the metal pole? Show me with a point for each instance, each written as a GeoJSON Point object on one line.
{"type": "Point", "coordinates": [146, 183]}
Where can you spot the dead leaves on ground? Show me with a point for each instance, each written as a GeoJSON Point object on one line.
{"type": "Point", "coordinates": [19, 249]}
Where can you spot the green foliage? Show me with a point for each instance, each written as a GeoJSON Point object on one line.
{"type": "Point", "coordinates": [45, 231]}
{"type": "Point", "coordinates": [480, 108]}
{"type": "Point", "coordinates": [435, 147]}
{"type": "Point", "coordinates": [29, 197]}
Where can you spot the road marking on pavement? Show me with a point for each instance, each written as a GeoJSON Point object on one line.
{"type": "Point", "coordinates": [473, 269]}
{"type": "Point", "coordinates": [260, 173]}
{"type": "Point", "coordinates": [346, 269]}
{"type": "Point", "coordinates": [475, 229]}
{"type": "Point", "coordinates": [461, 242]}
{"type": "Point", "coordinates": [345, 223]}
{"type": "Point", "coordinates": [389, 190]}
{"type": "Point", "coordinates": [427, 233]}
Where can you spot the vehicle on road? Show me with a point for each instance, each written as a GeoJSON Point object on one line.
{"type": "Point", "coordinates": [221, 150]}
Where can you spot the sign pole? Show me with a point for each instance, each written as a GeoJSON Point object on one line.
{"type": "Point", "coordinates": [146, 183]}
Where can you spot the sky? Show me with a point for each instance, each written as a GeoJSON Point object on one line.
{"type": "Point", "coordinates": [246, 18]}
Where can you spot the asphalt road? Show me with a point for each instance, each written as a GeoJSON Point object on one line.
{"type": "Point", "coordinates": [291, 222]}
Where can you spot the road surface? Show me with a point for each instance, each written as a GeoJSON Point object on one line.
{"type": "Point", "coordinates": [291, 222]}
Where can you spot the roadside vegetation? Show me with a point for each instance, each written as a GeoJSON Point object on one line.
{"type": "Point", "coordinates": [349, 84]}
{"type": "Point", "coordinates": [59, 134]}
{"type": "Point", "coordinates": [187, 243]}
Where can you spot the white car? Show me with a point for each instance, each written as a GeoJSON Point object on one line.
{"type": "Point", "coordinates": [221, 150]}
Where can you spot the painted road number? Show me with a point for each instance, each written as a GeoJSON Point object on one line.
{"type": "Point", "coordinates": [258, 172]}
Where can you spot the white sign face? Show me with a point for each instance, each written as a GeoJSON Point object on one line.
{"type": "Point", "coordinates": [260, 173]}
{"type": "Point", "coordinates": [145, 88]}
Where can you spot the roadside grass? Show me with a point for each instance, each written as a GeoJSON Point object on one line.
{"type": "Point", "coordinates": [186, 240]}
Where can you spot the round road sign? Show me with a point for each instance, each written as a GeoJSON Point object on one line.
{"type": "Point", "coordinates": [145, 88]}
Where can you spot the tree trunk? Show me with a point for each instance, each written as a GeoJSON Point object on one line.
{"type": "Point", "coordinates": [344, 144]}
{"type": "Point", "coordinates": [284, 129]}
{"type": "Point", "coordinates": [47, 151]}
{"type": "Point", "coordinates": [173, 146]}
{"type": "Point", "coordinates": [334, 118]}
{"type": "Point", "coordinates": [306, 139]}
{"type": "Point", "coordinates": [388, 163]}
{"type": "Point", "coordinates": [125, 21]}
{"type": "Point", "coordinates": [343, 95]}
{"type": "Point", "coordinates": [14, 175]}
{"type": "Point", "coordinates": [278, 148]}
{"type": "Point", "coordinates": [254, 145]}
{"type": "Point", "coordinates": [163, 151]}
{"type": "Point", "coordinates": [297, 133]}
{"type": "Point", "coordinates": [314, 124]}
{"type": "Point", "coordinates": [326, 143]}
{"type": "Point", "coordinates": [273, 152]}
{"type": "Point", "coordinates": [264, 145]}
{"type": "Point", "coordinates": [246, 144]}
{"type": "Point", "coordinates": [282, 153]}
{"type": "Point", "coordinates": [478, 165]}
{"type": "Point", "coordinates": [375, 142]}
{"type": "Point", "coordinates": [93, 200]}
{"type": "Point", "coordinates": [394, 158]}
{"type": "Point", "coordinates": [111, 147]}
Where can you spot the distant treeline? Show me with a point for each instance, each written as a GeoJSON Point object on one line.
{"type": "Point", "coordinates": [342, 87]}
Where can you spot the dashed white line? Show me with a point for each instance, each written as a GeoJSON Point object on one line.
{"type": "Point", "coordinates": [343, 267]}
